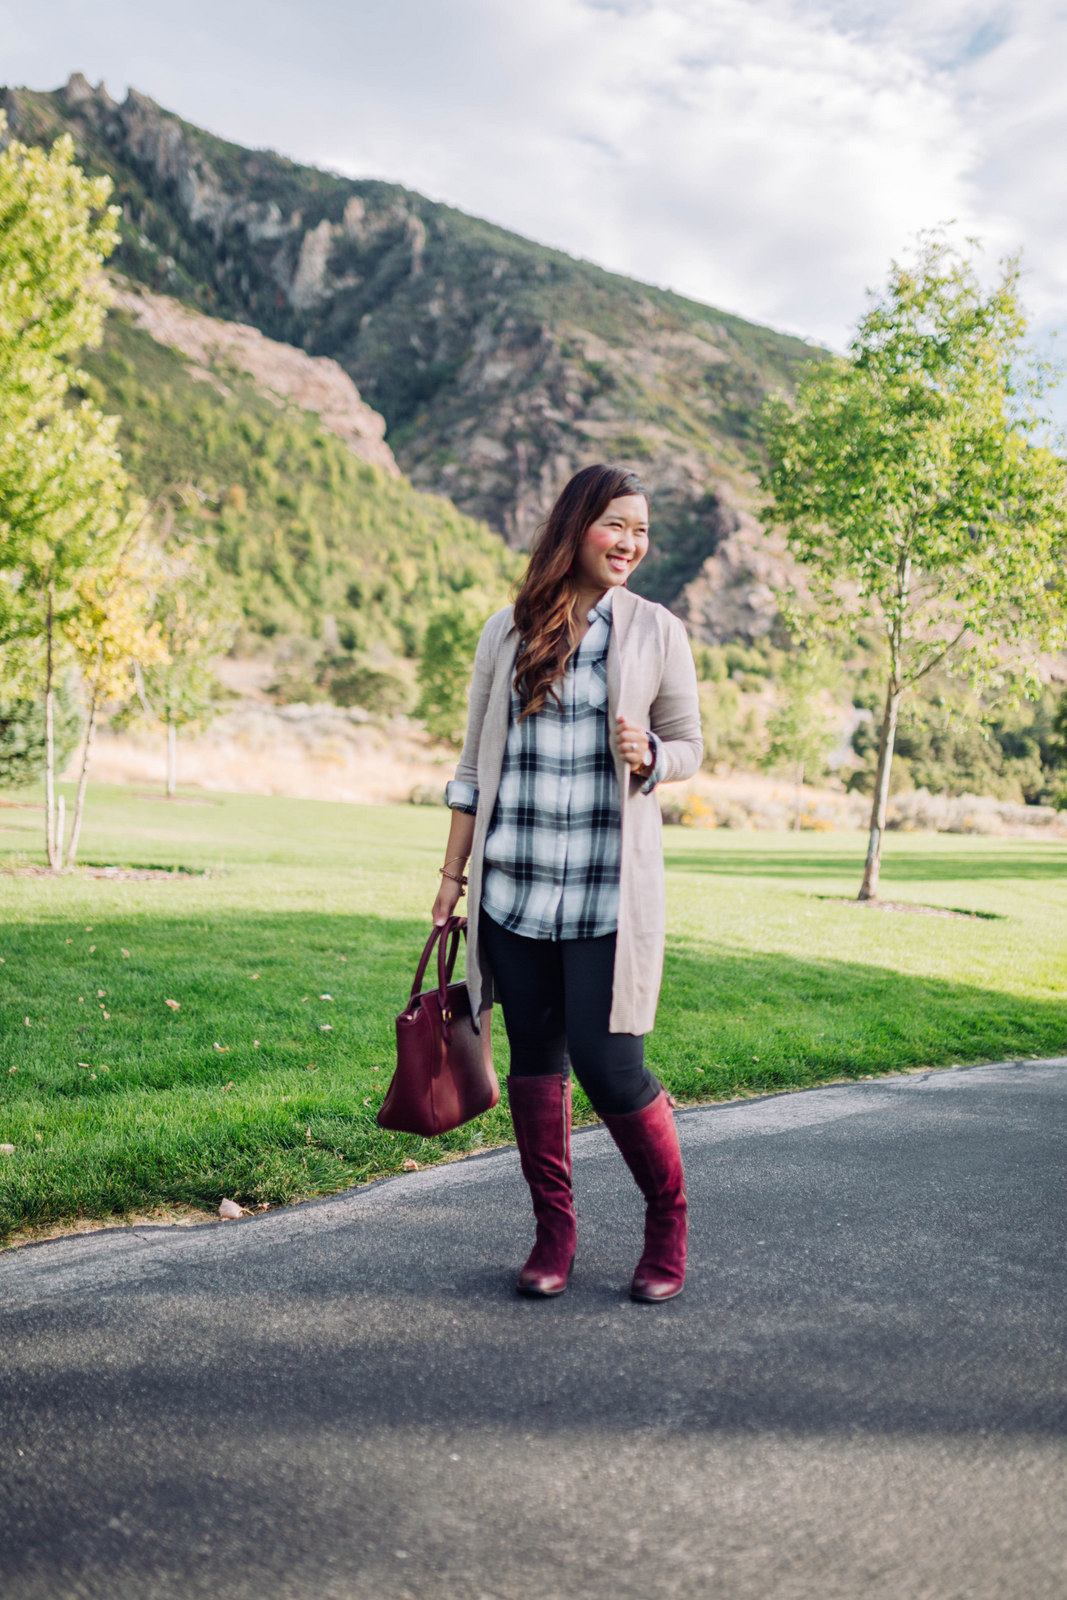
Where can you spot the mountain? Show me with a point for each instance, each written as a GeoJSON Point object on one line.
{"type": "Point", "coordinates": [499, 366]}
{"type": "Point", "coordinates": [335, 560]}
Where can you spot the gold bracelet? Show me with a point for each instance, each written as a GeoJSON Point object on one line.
{"type": "Point", "coordinates": [451, 876]}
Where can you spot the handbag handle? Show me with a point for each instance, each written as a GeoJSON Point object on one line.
{"type": "Point", "coordinates": [446, 964]}
{"type": "Point", "coordinates": [454, 926]}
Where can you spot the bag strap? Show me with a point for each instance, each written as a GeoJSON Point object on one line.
{"type": "Point", "coordinates": [453, 927]}
{"type": "Point", "coordinates": [446, 964]}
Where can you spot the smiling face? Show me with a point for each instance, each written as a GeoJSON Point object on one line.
{"type": "Point", "coordinates": [613, 544]}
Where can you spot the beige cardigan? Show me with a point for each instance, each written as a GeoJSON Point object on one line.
{"type": "Point", "coordinates": [651, 682]}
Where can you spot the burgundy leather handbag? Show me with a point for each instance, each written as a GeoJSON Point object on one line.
{"type": "Point", "coordinates": [444, 1067]}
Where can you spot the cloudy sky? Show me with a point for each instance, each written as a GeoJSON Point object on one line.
{"type": "Point", "coordinates": [766, 156]}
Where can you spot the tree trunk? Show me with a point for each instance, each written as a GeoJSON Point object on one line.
{"type": "Point", "coordinates": [869, 887]}
{"type": "Point", "coordinates": [799, 797]}
{"type": "Point", "coordinates": [50, 841]}
{"type": "Point", "coordinates": [172, 758]}
{"type": "Point", "coordinates": [83, 776]}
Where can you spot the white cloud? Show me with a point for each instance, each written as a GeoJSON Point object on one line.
{"type": "Point", "coordinates": [768, 156]}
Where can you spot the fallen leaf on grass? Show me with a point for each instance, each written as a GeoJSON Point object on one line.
{"type": "Point", "coordinates": [221, 1048]}
{"type": "Point", "coordinates": [228, 1209]}
{"type": "Point", "coordinates": [367, 1101]}
{"type": "Point", "coordinates": [255, 1044]}
{"type": "Point", "coordinates": [255, 975]}
{"type": "Point", "coordinates": [100, 993]}
{"type": "Point", "coordinates": [411, 1166]}
{"type": "Point", "coordinates": [125, 953]}
{"type": "Point", "coordinates": [312, 1067]}
{"type": "Point", "coordinates": [227, 1086]}
{"type": "Point", "coordinates": [325, 1027]}
{"type": "Point", "coordinates": [37, 1136]}
{"type": "Point", "coordinates": [7, 1149]}
{"type": "Point", "coordinates": [307, 1136]}
{"type": "Point", "coordinates": [175, 1005]}
{"type": "Point", "coordinates": [325, 996]}
{"type": "Point", "coordinates": [87, 1064]}
{"type": "Point", "coordinates": [92, 947]}
{"type": "Point", "coordinates": [10, 1070]}
{"type": "Point", "coordinates": [107, 1015]}
{"type": "Point", "coordinates": [27, 1022]}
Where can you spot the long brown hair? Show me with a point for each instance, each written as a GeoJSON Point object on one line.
{"type": "Point", "coordinates": [547, 599]}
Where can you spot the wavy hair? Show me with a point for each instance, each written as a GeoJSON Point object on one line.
{"type": "Point", "coordinates": [547, 599]}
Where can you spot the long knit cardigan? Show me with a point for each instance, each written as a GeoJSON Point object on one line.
{"type": "Point", "coordinates": [651, 682]}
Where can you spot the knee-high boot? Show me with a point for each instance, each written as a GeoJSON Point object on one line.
{"type": "Point", "coordinates": [541, 1112]}
{"type": "Point", "coordinates": [649, 1145]}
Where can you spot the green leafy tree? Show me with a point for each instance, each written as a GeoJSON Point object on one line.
{"type": "Point", "coordinates": [801, 728]}
{"type": "Point", "coordinates": [908, 480]}
{"type": "Point", "coordinates": [62, 488]}
{"type": "Point", "coordinates": [193, 620]}
{"type": "Point", "coordinates": [445, 669]}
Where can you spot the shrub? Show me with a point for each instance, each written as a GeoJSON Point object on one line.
{"type": "Point", "coordinates": [22, 737]}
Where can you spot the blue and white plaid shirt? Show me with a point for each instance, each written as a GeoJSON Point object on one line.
{"type": "Point", "coordinates": [552, 853]}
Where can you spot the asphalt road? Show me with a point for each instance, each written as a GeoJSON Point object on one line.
{"type": "Point", "coordinates": [863, 1391]}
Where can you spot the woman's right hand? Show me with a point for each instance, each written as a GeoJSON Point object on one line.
{"type": "Point", "coordinates": [448, 896]}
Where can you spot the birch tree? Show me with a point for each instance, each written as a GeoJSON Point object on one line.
{"type": "Point", "coordinates": [911, 481]}
{"type": "Point", "coordinates": [112, 634]}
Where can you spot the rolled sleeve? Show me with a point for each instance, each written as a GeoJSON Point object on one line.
{"type": "Point", "coordinates": [462, 796]}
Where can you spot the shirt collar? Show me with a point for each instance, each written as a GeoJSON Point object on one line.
{"type": "Point", "coordinates": [603, 607]}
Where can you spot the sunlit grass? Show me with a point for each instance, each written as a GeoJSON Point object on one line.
{"type": "Point", "coordinates": [256, 1086]}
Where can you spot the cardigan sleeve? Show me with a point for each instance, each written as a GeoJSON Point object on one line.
{"type": "Point", "coordinates": [462, 792]}
{"type": "Point", "coordinates": [675, 712]}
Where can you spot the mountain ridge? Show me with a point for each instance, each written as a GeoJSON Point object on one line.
{"type": "Point", "coordinates": [500, 366]}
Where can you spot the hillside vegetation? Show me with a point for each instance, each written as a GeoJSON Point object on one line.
{"type": "Point", "coordinates": [500, 366]}
{"type": "Point", "coordinates": [337, 564]}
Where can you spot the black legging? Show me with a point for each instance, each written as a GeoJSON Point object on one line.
{"type": "Point", "coordinates": [556, 996]}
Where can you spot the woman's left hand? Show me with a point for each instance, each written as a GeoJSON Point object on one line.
{"type": "Point", "coordinates": [633, 745]}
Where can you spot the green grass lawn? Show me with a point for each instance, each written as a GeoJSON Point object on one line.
{"type": "Point", "coordinates": [260, 1087]}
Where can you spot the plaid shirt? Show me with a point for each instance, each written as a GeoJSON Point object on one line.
{"type": "Point", "coordinates": [553, 849]}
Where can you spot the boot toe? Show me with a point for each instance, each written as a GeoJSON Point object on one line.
{"type": "Point", "coordinates": [651, 1290]}
{"type": "Point", "coordinates": [541, 1285]}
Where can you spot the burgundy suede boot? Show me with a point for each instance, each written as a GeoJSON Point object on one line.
{"type": "Point", "coordinates": [649, 1145]}
{"type": "Point", "coordinates": [541, 1112]}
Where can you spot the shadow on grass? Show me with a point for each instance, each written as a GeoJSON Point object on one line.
{"type": "Point", "coordinates": [927, 867]}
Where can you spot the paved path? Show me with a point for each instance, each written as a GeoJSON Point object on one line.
{"type": "Point", "coordinates": [863, 1392]}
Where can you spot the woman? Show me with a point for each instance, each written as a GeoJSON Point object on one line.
{"type": "Point", "coordinates": [583, 699]}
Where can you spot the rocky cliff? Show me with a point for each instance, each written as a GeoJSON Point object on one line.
{"type": "Point", "coordinates": [314, 383]}
{"type": "Point", "coordinates": [498, 365]}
